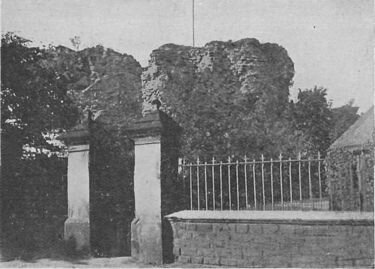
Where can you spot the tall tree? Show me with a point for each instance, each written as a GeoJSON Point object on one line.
{"type": "Point", "coordinates": [34, 103]}
{"type": "Point", "coordinates": [34, 99]}
{"type": "Point", "coordinates": [312, 116]}
{"type": "Point", "coordinates": [343, 117]}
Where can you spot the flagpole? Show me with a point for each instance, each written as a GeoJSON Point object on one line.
{"type": "Point", "coordinates": [193, 23]}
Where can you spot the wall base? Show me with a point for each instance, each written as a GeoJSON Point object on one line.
{"type": "Point", "coordinates": [79, 229]}
{"type": "Point", "coordinates": [146, 241]}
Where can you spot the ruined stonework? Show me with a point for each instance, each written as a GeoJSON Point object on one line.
{"type": "Point", "coordinates": [106, 82]}
{"type": "Point", "coordinates": [215, 92]}
{"type": "Point", "coordinates": [240, 66]}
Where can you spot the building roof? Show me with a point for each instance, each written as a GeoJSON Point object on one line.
{"type": "Point", "coordinates": [359, 134]}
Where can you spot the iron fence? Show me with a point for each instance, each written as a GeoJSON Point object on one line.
{"type": "Point", "coordinates": [245, 184]}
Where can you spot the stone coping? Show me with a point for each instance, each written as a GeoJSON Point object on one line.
{"type": "Point", "coordinates": [277, 217]}
{"type": "Point", "coordinates": [75, 137]}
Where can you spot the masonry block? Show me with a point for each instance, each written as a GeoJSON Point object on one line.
{"type": "Point", "coordinates": [202, 243]}
{"type": "Point", "coordinates": [219, 227]}
{"type": "Point", "coordinates": [243, 263]}
{"type": "Point", "coordinates": [197, 260]}
{"type": "Point", "coordinates": [180, 226]}
{"type": "Point", "coordinates": [228, 262]}
{"type": "Point", "coordinates": [188, 251]}
{"type": "Point", "coordinates": [300, 230]}
{"type": "Point", "coordinates": [190, 226]}
{"type": "Point", "coordinates": [255, 229]}
{"type": "Point", "coordinates": [364, 262]}
{"type": "Point", "coordinates": [271, 228]}
{"type": "Point", "coordinates": [211, 261]}
{"type": "Point", "coordinates": [206, 252]}
{"type": "Point", "coordinates": [225, 235]}
{"type": "Point", "coordinates": [242, 228]}
{"type": "Point", "coordinates": [287, 229]}
{"type": "Point", "coordinates": [219, 243]}
{"type": "Point", "coordinates": [232, 227]}
{"type": "Point", "coordinates": [204, 227]}
{"type": "Point", "coordinates": [224, 252]}
{"type": "Point", "coordinates": [277, 261]}
{"type": "Point", "coordinates": [179, 242]}
{"type": "Point", "coordinates": [176, 251]}
{"type": "Point", "coordinates": [255, 261]}
{"type": "Point", "coordinates": [186, 235]}
{"type": "Point", "coordinates": [184, 259]}
{"type": "Point", "coordinates": [236, 253]}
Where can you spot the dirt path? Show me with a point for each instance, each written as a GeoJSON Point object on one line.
{"type": "Point", "coordinates": [118, 262]}
{"type": "Point", "coordinates": [123, 262]}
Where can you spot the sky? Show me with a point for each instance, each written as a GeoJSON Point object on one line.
{"type": "Point", "coordinates": [330, 41]}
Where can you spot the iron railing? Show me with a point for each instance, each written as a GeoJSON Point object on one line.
{"type": "Point", "coordinates": [245, 184]}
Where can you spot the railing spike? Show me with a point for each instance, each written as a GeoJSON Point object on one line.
{"type": "Point", "coordinates": [205, 185]}
{"type": "Point", "coordinates": [245, 171]}
{"type": "Point", "coordinates": [221, 185]}
{"type": "Point", "coordinates": [213, 183]}
{"type": "Point", "coordinates": [229, 185]}
{"type": "Point", "coordinates": [237, 187]}
{"type": "Point", "coordinates": [263, 190]}
{"type": "Point", "coordinates": [272, 198]}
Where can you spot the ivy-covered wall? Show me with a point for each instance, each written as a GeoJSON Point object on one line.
{"type": "Point", "coordinates": [350, 178]}
{"type": "Point", "coordinates": [111, 191]}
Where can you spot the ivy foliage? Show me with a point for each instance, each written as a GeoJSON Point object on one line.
{"type": "Point", "coordinates": [111, 191]}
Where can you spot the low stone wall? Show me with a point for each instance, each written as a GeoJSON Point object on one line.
{"type": "Point", "coordinates": [274, 238]}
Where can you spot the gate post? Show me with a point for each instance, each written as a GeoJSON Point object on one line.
{"type": "Point", "coordinates": [77, 224]}
{"type": "Point", "coordinates": [155, 139]}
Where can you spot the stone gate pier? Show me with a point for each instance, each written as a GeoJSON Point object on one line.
{"type": "Point", "coordinates": [77, 226]}
{"type": "Point", "coordinates": [155, 139]}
